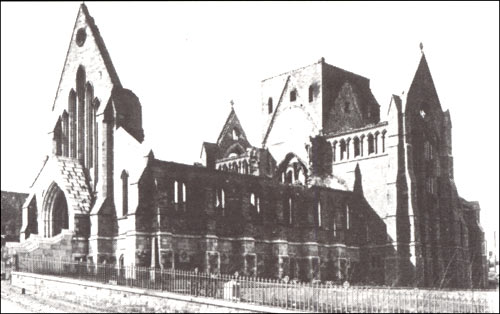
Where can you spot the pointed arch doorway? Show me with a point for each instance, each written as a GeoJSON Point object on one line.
{"type": "Point", "coordinates": [56, 215]}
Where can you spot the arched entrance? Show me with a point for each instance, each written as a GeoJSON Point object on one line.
{"type": "Point", "coordinates": [292, 170]}
{"type": "Point", "coordinates": [56, 215]}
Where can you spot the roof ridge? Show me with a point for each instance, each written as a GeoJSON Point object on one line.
{"type": "Point", "coordinates": [290, 71]}
{"type": "Point", "coordinates": [230, 118]}
{"type": "Point", "coordinates": [264, 140]}
{"type": "Point", "coordinates": [100, 45]}
{"type": "Point", "coordinates": [348, 72]}
{"type": "Point", "coordinates": [231, 113]}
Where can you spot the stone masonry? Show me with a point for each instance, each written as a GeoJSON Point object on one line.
{"type": "Point", "coordinates": [337, 190]}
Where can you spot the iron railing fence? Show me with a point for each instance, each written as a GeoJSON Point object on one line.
{"type": "Point", "coordinates": [314, 297]}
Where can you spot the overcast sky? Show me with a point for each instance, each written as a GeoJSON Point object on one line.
{"type": "Point", "coordinates": [186, 61]}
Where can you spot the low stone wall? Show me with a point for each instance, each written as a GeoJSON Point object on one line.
{"type": "Point", "coordinates": [125, 299]}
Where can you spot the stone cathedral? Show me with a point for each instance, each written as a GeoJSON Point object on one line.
{"type": "Point", "coordinates": [337, 189]}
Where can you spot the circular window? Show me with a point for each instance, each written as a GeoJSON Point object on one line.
{"type": "Point", "coordinates": [81, 35]}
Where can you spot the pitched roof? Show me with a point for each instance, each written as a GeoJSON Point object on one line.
{"type": "Point", "coordinates": [210, 148]}
{"type": "Point", "coordinates": [231, 120]}
{"type": "Point", "coordinates": [396, 101]}
{"type": "Point", "coordinates": [334, 79]}
{"type": "Point", "coordinates": [100, 45]}
{"type": "Point", "coordinates": [271, 122]}
{"type": "Point", "coordinates": [129, 111]}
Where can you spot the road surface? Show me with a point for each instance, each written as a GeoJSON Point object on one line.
{"type": "Point", "coordinates": [12, 301]}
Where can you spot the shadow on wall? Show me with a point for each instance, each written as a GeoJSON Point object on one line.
{"type": "Point", "coordinates": [381, 262]}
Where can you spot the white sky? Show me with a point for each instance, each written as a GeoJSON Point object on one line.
{"type": "Point", "coordinates": [186, 61]}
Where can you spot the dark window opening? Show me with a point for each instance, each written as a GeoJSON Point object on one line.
{"type": "Point", "coordinates": [270, 105]}
{"type": "Point", "coordinates": [371, 146]}
{"type": "Point", "coordinates": [311, 96]}
{"type": "Point", "coordinates": [347, 108]}
{"type": "Point", "coordinates": [220, 200]}
{"type": "Point", "coordinates": [81, 35]}
{"type": "Point", "coordinates": [334, 152]}
{"type": "Point", "coordinates": [293, 95]}
{"type": "Point", "coordinates": [356, 147]}
{"type": "Point", "coordinates": [290, 211]}
{"type": "Point", "coordinates": [124, 193]}
{"type": "Point", "coordinates": [343, 149]}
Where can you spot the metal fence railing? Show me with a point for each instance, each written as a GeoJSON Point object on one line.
{"type": "Point", "coordinates": [315, 297]}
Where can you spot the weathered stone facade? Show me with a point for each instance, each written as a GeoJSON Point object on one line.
{"type": "Point", "coordinates": [335, 191]}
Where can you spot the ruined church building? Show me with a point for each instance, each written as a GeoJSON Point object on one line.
{"type": "Point", "coordinates": [337, 190]}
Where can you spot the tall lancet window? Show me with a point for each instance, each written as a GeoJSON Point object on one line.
{"type": "Point", "coordinates": [57, 138]}
{"type": "Point", "coordinates": [217, 198]}
{"type": "Point", "coordinates": [319, 213]}
{"type": "Point", "coordinates": [254, 201]}
{"type": "Point", "coordinates": [65, 131]}
{"type": "Point", "coordinates": [334, 226]}
{"type": "Point", "coordinates": [124, 177]}
{"type": "Point", "coordinates": [347, 214]}
{"type": "Point", "coordinates": [96, 140]}
{"type": "Point", "coordinates": [72, 123]}
{"type": "Point", "coordinates": [89, 96]}
{"type": "Point", "coordinates": [222, 199]}
{"type": "Point", "coordinates": [81, 128]}
{"type": "Point", "coordinates": [176, 192]}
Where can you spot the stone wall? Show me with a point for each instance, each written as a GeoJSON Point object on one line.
{"type": "Point", "coordinates": [288, 127]}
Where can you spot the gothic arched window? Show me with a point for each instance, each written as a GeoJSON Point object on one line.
{"type": "Point", "coordinates": [65, 133]}
{"type": "Point", "coordinates": [72, 123]}
{"type": "Point", "coordinates": [347, 215]}
{"type": "Point", "coordinates": [96, 140]}
{"type": "Point", "coordinates": [220, 199]}
{"type": "Point", "coordinates": [318, 213]}
{"type": "Point", "coordinates": [176, 192]}
{"type": "Point", "coordinates": [89, 96]}
{"type": "Point", "coordinates": [81, 128]}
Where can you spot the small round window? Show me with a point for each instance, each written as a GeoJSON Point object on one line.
{"type": "Point", "coordinates": [81, 35]}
